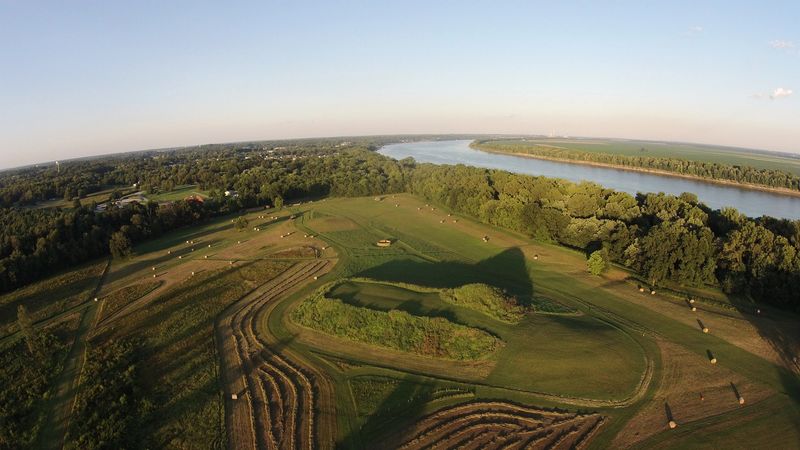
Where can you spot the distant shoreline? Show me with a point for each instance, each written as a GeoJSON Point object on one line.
{"type": "Point", "coordinates": [749, 186]}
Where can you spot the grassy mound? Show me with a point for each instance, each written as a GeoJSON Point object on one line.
{"type": "Point", "coordinates": [486, 299]}
{"type": "Point", "coordinates": [398, 330]}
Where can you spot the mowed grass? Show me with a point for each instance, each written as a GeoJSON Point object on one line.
{"type": "Point", "coordinates": [49, 297]}
{"type": "Point", "coordinates": [179, 193]}
{"type": "Point", "coordinates": [180, 368]}
{"type": "Point", "coordinates": [560, 275]}
{"type": "Point", "coordinates": [574, 356]}
{"type": "Point", "coordinates": [692, 152]}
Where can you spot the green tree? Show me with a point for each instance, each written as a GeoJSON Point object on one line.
{"type": "Point", "coordinates": [278, 202]}
{"type": "Point", "coordinates": [597, 263]}
{"type": "Point", "coordinates": [28, 330]}
{"type": "Point", "coordinates": [120, 245]}
{"type": "Point", "coordinates": [241, 223]}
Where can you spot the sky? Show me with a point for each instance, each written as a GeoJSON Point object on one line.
{"type": "Point", "coordinates": [84, 78]}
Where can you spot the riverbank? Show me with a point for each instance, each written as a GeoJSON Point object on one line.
{"type": "Point", "coordinates": [754, 187]}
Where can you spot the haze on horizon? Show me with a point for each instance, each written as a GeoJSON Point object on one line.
{"type": "Point", "coordinates": [110, 77]}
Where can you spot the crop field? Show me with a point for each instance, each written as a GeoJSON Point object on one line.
{"type": "Point", "coordinates": [583, 361]}
{"type": "Point", "coordinates": [692, 152]}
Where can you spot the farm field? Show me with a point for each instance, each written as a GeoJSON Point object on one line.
{"type": "Point", "coordinates": [592, 363]}
{"type": "Point", "coordinates": [692, 152]}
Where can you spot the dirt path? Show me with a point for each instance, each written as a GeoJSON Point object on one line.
{"type": "Point", "coordinates": [59, 406]}
{"type": "Point", "coordinates": [274, 404]}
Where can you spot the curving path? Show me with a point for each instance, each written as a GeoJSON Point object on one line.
{"type": "Point", "coordinates": [270, 397]}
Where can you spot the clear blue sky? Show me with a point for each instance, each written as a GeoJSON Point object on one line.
{"type": "Point", "coordinates": [89, 77]}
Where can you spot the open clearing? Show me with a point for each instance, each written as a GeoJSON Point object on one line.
{"type": "Point", "coordinates": [595, 364]}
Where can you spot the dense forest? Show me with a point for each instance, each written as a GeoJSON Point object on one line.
{"type": "Point", "coordinates": [664, 238]}
{"type": "Point", "coordinates": [700, 169]}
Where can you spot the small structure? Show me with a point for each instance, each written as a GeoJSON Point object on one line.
{"type": "Point", "coordinates": [234, 397]}
{"type": "Point", "coordinates": [381, 243]}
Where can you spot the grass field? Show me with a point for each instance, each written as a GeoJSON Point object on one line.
{"type": "Point", "coordinates": [692, 152]}
{"type": "Point", "coordinates": [179, 193]}
{"type": "Point", "coordinates": [213, 314]}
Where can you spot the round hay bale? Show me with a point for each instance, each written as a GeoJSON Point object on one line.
{"type": "Point", "coordinates": [652, 292]}
{"type": "Point", "coordinates": [713, 360]}
{"type": "Point", "coordinates": [154, 268]}
{"type": "Point", "coordinates": [536, 257]}
{"type": "Point", "coordinates": [209, 245]}
{"type": "Point", "coordinates": [234, 397]}
{"type": "Point", "coordinates": [180, 256]}
{"type": "Point", "coordinates": [230, 263]}
{"type": "Point", "coordinates": [641, 289]}
{"type": "Point", "coordinates": [694, 308]}
{"type": "Point", "coordinates": [705, 329]}
{"type": "Point", "coordinates": [206, 257]}
{"type": "Point", "coordinates": [154, 275]}
{"type": "Point", "coordinates": [192, 273]}
{"type": "Point", "coordinates": [672, 425]}
{"type": "Point", "coordinates": [691, 300]}
{"type": "Point", "coordinates": [316, 277]}
{"type": "Point", "coordinates": [239, 242]}
{"type": "Point", "coordinates": [169, 252]}
{"type": "Point", "coordinates": [95, 299]}
{"type": "Point", "coordinates": [741, 400]}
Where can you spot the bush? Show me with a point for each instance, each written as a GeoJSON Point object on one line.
{"type": "Point", "coordinates": [486, 299]}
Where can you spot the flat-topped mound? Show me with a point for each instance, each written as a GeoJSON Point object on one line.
{"type": "Point", "coordinates": [394, 329]}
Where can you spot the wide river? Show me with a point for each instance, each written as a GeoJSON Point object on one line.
{"type": "Point", "coordinates": [754, 203]}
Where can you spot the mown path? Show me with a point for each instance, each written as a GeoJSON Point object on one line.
{"type": "Point", "coordinates": [59, 406]}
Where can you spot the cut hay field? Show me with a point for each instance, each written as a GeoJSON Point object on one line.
{"type": "Point", "coordinates": [592, 362]}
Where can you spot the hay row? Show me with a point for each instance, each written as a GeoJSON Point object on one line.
{"type": "Point", "coordinates": [279, 394]}
{"type": "Point", "coordinates": [589, 434]}
{"type": "Point", "coordinates": [501, 425]}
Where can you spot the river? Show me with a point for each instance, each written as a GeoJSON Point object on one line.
{"type": "Point", "coordinates": [752, 202]}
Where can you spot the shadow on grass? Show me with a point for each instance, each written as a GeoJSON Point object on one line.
{"type": "Point", "coordinates": [396, 412]}
{"type": "Point", "coordinates": [506, 270]}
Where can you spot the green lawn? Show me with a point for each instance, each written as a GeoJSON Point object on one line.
{"type": "Point", "coordinates": [179, 193]}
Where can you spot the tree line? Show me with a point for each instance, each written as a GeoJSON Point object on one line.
{"type": "Point", "coordinates": [662, 237]}
{"type": "Point", "coordinates": [708, 170]}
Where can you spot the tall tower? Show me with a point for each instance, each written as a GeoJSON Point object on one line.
{"type": "Point", "coordinates": [58, 167]}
